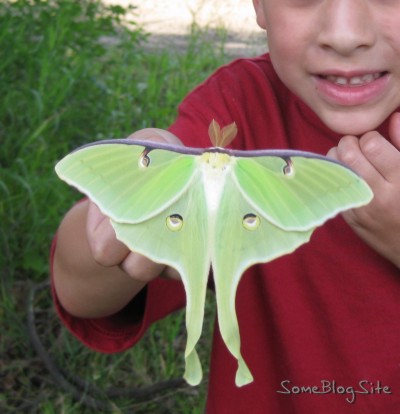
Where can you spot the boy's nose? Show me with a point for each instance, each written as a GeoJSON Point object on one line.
{"type": "Point", "coordinates": [347, 26]}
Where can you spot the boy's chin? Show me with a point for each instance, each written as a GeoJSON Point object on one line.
{"type": "Point", "coordinates": [353, 123]}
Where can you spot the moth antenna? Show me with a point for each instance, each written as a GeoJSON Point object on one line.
{"type": "Point", "coordinates": [229, 133]}
{"type": "Point", "coordinates": [221, 137]}
{"type": "Point", "coordinates": [214, 132]}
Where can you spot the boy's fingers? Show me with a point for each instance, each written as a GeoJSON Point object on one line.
{"type": "Point", "coordinates": [350, 153]}
{"type": "Point", "coordinates": [157, 135]}
{"type": "Point", "coordinates": [140, 267]}
{"type": "Point", "coordinates": [333, 153]}
{"type": "Point", "coordinates": [372, 156]}
{"type": "Point", "coordinates": [171, 273]}
{"type": "Point", "coordinates": [94, 217]}
{"type": "Point", "coordinates": [144, 270]}
{"type": "Point", "coordinates": [382, 155]}
{"type": "Point", "coordinates": [106, 249]}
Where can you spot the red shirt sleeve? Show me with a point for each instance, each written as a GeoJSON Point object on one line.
{"type": "Point", "coordinates": [122, 330]}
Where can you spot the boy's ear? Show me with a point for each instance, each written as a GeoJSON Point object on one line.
{"type": "Point", "coordinates": [258, 7]}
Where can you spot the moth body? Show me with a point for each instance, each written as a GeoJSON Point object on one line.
{"type": "Point", "coordinates": [215, 168]}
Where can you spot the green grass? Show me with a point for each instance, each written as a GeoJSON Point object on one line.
{"type": "Point", "coordinates": [64, 83]}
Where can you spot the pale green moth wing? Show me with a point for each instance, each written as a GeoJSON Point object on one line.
{"type": "Point", "coordinates": [114, 175]}
{"type": "Point", "coordinates": [264, 213]}
{"type": "Point", "coordinates": [300, 192]}
{"type": "Point", "coordinates": [177, 236]}
{"type": "Point", "coordinates": [159, 191]}
{"type": "Point", "coordinates": [243, 237]}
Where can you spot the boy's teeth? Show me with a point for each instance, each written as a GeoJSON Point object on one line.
{"type": "Point", "coordinates": [353, 81]}
{"type": "Point", "coordinates": [338, 79]}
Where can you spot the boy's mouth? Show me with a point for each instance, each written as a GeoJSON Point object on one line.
{"type": "Point", "coordinates": [352, 88]}
{"type": "Point", "coordinates": [359, 80]}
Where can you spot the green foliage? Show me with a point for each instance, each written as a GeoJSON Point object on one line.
{"type": "Point", "coordinates": [53, 97]}
{"type": "Point", "coordinates": [72, 72]}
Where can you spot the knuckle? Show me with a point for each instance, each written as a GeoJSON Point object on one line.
{"type": "Point", "coordinates": [370, 143]}
{"type": "Point", "coordinates": [141, 268]}
{"type": "Point", "coordinates": [348, 150]}
{"type": "Point", "coordinates": [139, 274]}
{"type": "Point", "coordinates": [100, 252]}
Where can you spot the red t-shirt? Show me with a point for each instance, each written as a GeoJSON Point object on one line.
{"type": "Point", "coordinates": [324, 318]}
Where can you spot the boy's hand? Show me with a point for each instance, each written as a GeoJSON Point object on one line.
{"type": "Point", "coordinates": [107, 250]}
{"type": "Point", "coordinates": [378, 162]}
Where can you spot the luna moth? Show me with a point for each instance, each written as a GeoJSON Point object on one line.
{"type": "Point", "coordinates": [196, 209]}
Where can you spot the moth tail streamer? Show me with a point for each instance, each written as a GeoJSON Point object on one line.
{"type": "Point", "coordinates": [194, 324]}
{"type": "Point", "coordinates": [229, 328]}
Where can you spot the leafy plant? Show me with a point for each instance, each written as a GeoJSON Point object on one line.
{"type": "Point", "coordinates": [72, 72]}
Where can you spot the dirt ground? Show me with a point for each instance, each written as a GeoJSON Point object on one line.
{"type": "Point", "coordinates": [168, 22]}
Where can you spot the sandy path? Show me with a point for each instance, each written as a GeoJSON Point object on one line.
{"type": "Point", "coordinates": [168, 22]}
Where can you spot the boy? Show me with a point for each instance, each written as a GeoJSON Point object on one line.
{"type": "Point", "coordinates": [319, 327]}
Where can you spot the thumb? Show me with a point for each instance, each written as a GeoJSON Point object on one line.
{"type": "Point", "coordinates": [105, 248]}
{"type": "Point", "coordinates": [157, 135]}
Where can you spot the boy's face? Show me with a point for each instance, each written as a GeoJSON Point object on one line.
{"type": "Point", "coordinates": [341, 57]}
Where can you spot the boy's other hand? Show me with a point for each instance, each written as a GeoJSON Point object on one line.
{"type": "Point", "coordinates": [107, 250]}
{"type": "Point", "coordinates": [377, 160]}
